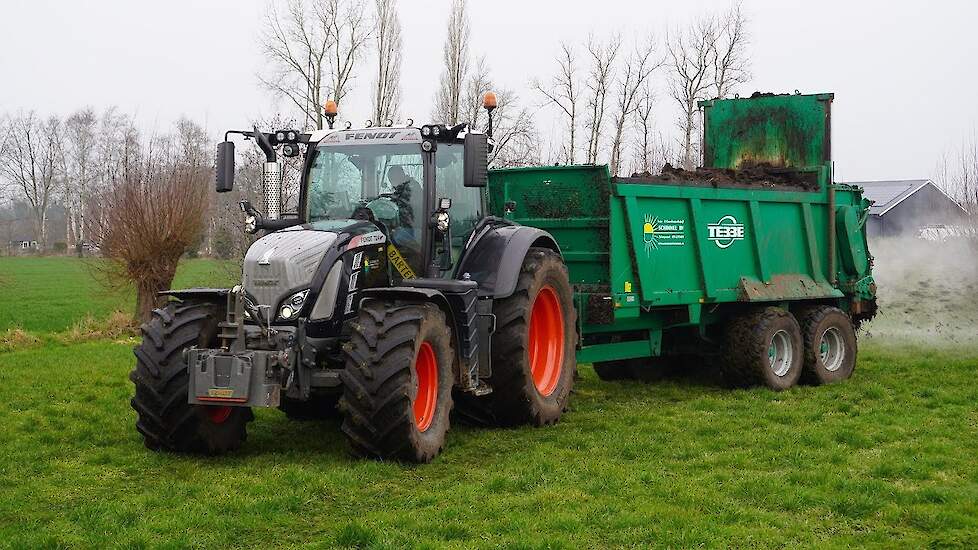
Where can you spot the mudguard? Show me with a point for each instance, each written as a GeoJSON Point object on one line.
{"type": "Point", "coordinates": [218, 296]}
{"type": "Point", "coordinates": [495, 257]}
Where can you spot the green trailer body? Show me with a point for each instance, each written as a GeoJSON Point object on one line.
{"type": "Point", "coordinates": [652, 261]}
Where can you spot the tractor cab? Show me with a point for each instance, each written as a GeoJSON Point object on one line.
{"type": "Point", "coordinates": [411, 182]}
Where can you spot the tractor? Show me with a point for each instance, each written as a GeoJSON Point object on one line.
{"type": "Point", "coordinates": [389, 298]}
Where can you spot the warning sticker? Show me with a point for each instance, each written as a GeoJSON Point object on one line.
{"type": "Point", "coordinates": [399, 263]}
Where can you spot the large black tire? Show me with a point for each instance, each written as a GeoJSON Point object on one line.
{"type": "Point", "coordinates": [387, 382]}
{"type": "Point", "coordinates": [830, 345]}
{"type": "Point", "coordinates": [164, 417]}
{"type": "Point", "coordinates": [317, 407]}
{"type": "Point", "coordinates": [543, 296]}
{"type": "Point", "coordinates": [748, 345]}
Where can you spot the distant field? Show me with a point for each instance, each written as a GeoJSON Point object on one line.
{"type": "Point", "coordinates": [51, 294]}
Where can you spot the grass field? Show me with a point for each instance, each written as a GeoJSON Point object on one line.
{"type": "Point", "coordinates": [51, 294]}
{"type": "Point", "coordinates": [887, 459]}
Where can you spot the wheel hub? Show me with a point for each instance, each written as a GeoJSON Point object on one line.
{"type": "Point", "coordinates": [779, 353]}
{"type": "Point", "coordinates": [832, 349]}
{"type": "Point", "coordinates": [426, 370]}
{"type": "Point", "coordinates": [546, 340]}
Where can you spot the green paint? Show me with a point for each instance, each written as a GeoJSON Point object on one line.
{"type": "Point", "coordinates": [657, 251]}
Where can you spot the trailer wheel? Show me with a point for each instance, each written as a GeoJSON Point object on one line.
{"type": "Point", "coordinates": [161, 376]}
{"type": "Point", "coordinates": [764, 347]}
{"type": "Point", "coordinates": [830, 345]}
{"type": "Point", "coordinates": [397, 384]}
{"type": "Point", "coordinates": [533, 348]}
{"type": "Point", "coordinates": [317, 407]}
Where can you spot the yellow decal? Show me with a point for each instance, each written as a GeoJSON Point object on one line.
{"type": "Point", "coordinates": [400, 264]}
{"type": "Point", "coordinates": [628, 286]}
{"type": "Point", "coordinates": [214, 392]}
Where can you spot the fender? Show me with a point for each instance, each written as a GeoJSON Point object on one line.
{"type": "Point", "coordinates": [217, 296]}
{"type": "Point", "coordinates": [495, 257]}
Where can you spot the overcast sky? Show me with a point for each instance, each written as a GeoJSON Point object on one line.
{"type": "Point", "coordinates": [904, 74]}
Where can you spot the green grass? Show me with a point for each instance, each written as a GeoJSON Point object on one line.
{"type": "Point", "coordinates": [52, 294]}
{"type": "Point", "coordinates": [886, 459]}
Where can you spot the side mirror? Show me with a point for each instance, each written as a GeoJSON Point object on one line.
{"type": "Point", "coordinates": [476, 169]}
{"type": "Point", "coordinates": [225, 166]}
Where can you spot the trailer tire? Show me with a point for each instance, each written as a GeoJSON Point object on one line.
{"type": "Point", "coordinates": [830, 345]}
{"type": "Point", "coordinates": [164, 417]}
{"type": "Point", "coordinates": [317, 407]}
{"type": "Point", "coordinates": [763, 347]}
{"type": "Point", "coordinates": [397, 384]}
{"type": "Point", "coordinates": [532, 387]}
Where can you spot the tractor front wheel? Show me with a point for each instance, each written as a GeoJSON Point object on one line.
{"type": "Point", "coordinates": [397, 384]}
{"type": "Point", "coordinates": [164, 417]}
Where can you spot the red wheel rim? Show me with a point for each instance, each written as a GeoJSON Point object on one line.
{"type": "Point", "coordinates": [426, 368]}
{"type": "Point", "coordinates": [218, 414]}
{"type": "Point", "coordinates": [546, 340]}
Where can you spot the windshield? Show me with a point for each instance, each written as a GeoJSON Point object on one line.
{"type": "Point", "coordinates": [344, 176]}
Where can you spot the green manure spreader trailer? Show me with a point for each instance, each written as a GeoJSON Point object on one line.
{"type": "Point", "coordinates": [412, 286]}
{"type": "Point", "coordinates": [756, 262]}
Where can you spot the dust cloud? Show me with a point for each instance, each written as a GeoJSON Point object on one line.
{"type": "Point", "coordinates": [927, 291]}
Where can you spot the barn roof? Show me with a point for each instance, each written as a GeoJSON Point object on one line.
{"type": "Point", "coordinates": [887, 194]}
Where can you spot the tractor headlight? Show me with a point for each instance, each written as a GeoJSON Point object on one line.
{"type": "Point", "coordinates": [326, 301]}
{"type": "Point", "coordinates": [292, 305]}
{"type": "Point", "coordinates": [441, 221]}
{"type": "Point", "coordinates": [251, 224]}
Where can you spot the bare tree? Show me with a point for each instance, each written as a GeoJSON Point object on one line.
{"type": "Point", "coordinates": [31, 162]}
{"type": "Point", "coordinates": [564, 92]}
{"type": "Point", "coordinates": [652, 150]}
{"type": "Point", "coordinates": [155, 213]}
{"type": "Point", "coordinates": [80, 169]}
{"type": "Point", "coordinates": [690, 59]}
{"type": "Point", "coordinates": [387, 88]}
{"type": "Point", "coordinates": [349, 25]}
{"type": "Point", "coordinates": [731, 65]}
{"type": "Point", "coordinates": [312, 51]}
{"type": "Point", "coordinates": [296, 45]}
{"type": "Point", "coordinates": [448, 102]}
{"type": "Point", "coordinates": [514, 133]}
{"type": "Point", "coordinates": [957, 174]}
{"type": "Point", "coordinates": [635, 76]}
{"type": "Point", "coordinates": [476, 86]}
{"type": "Point", "coordinates": [599, 82]}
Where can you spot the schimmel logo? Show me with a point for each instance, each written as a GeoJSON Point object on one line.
{"type": "Point", "coordinates": [726, 231]}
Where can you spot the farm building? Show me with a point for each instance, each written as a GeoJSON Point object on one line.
{"type": "Point", "coordinates": [904, 207]}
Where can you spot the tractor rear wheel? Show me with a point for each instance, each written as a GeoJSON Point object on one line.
{"type": "Point", "coordinates": [317, 407]}
{"type": "Point", "coordinates": [830, 345]}
{"type": "Point", "coordinates": [397, 384]}
{"type": "Point", "coordinates": [533, 348]}
{"type": "Point", "coordinates": [763, 347]}
{"type": "Point", "coordinates": [161, 376]}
